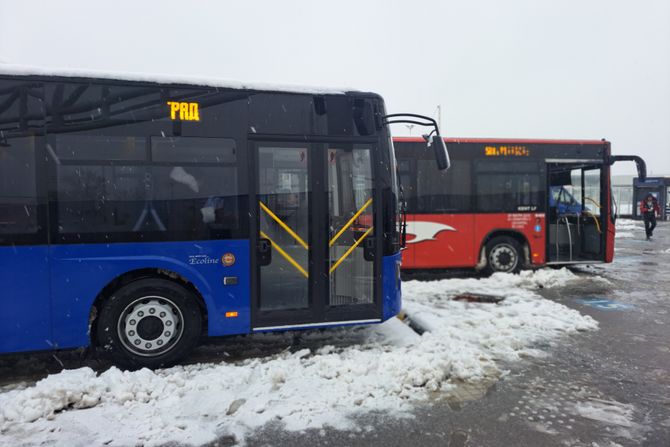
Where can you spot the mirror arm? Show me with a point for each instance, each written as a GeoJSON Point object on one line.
{"type": "Point", "coordinates": [411, 118]}
{"type": "Point", "coordinates": [639, 161]}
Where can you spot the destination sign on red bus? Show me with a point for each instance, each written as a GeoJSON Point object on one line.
{"type": "Point", "coordinates": [506, 151]}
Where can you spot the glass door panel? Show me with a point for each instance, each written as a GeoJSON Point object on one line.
{"type": "Point", "coordinates": [284, 222]}
{"type": "Point", "coordinates": [351, 226]}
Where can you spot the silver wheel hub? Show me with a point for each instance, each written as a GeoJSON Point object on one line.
{"type": "Point", "coordinates": [150, 326]}
{"type": "Point", "coordinates": [503, 258]}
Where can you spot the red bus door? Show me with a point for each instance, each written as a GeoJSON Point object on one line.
{"type": "Point", "coordinates": [577, 228]}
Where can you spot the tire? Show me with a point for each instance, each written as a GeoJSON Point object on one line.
{"type": "Point", "coordinates": [503, 254]}
{"type": "Point", "coordinates": [149, 323]}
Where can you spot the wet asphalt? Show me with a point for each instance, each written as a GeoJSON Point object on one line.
{"type": "Point", "coordinates": [605, 388]}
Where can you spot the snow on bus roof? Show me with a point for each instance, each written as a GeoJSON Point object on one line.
{"type": "Point", "coordinates": [24, 70]}
{"type": "Point", "coordinates": [503, 140]}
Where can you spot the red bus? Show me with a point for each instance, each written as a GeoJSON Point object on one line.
{"type": "Point", "coordinates": [508, 204]}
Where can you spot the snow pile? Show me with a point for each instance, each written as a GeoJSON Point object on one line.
{"type": "Point", "coordinates": [384, 368]}
{"type": "Point", "coordinates": [506, 331]}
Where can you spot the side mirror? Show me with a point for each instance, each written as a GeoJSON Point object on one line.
{"type": "Point", "coordinates": [441, 153]}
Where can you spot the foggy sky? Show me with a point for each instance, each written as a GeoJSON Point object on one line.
{"type": "Point", "coordinates": [547, 69]}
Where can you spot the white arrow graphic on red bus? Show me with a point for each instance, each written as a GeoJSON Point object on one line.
{"type": "Point", "coordinates": [425, 231]}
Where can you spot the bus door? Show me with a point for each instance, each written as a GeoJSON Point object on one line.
{"type": "Point", "coordinates": [315, 238]}
{"type": "Point", "coordinates": [576, 224]}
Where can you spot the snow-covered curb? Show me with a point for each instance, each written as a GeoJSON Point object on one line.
{"type": "Point", "coordinates": [385, 368]}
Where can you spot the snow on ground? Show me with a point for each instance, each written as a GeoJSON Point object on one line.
{"type": "Point", "coordinates": [607, 411]}
{"type": "Point", "coordinates": [628, 228]}
{"type": "Point", "coordinates": [386, 368]}
{"type": "Point", "coordinates": [629, 225]}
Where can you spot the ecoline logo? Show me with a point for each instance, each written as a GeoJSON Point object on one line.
{"type": "Point", "coordinates": [202, 260]}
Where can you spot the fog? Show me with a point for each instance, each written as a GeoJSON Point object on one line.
{"type": "Point", "coordinates": [570, 69]}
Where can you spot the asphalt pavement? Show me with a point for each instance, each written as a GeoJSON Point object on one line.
{"type": "Point", "coordinates": [605, 388]}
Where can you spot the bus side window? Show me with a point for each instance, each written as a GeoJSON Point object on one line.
{"type": "Point", "coordinates": [195, 185]}
{"type": "Point", "coordinates": [508, 186]}
{"type": "Point", "coordinates": [18, 195]}
{"type": "Point", "coordinates": [100, 186]}
{"type": "Point", "coordinates": [443, 191]}
{"type": "Point", "coordinates": [21, 119]}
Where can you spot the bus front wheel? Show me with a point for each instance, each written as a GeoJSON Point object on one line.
{"type": "Point", "coordinates": [149, 323]}
{"type": "Point", "coordinates": [503, 254]}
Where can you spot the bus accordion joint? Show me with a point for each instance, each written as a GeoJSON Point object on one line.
{"type": "Point", "coordinates": [350, 249]}
{"type": "Point", "coordinates": [350, 222]}
{"type": "Point", "coordinates": [281, 223]}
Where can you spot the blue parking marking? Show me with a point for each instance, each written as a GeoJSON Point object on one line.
{"type": "Point", "coordinates": [605, 304]}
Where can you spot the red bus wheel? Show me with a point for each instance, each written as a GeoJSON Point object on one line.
{"type": "Point", "coordinates": [503, 254]}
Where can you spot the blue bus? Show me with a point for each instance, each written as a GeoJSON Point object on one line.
{"type": "Point", "coordinates": [138, 216]}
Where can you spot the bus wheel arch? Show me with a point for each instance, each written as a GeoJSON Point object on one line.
{"type": "Point", "coordinates": [504, 251]}
{"type": "Point", "coordinates": [119, 300]}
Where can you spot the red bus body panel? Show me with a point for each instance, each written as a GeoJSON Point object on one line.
{"type": "Point", "coordinates": [455, 240]}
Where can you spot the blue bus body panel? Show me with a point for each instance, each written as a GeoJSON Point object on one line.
{"type": "Point", "coordinates": [81, 271]}
{"type": "Point", "coordinates": [391, 286]}
{"type": "Point", "coordinates": [25, 312]}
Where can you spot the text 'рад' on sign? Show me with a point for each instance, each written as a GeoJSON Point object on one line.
{"type": "Point", "coordinates": [184, 111]}
{"type": "Point", "coordinates": [604, 304]}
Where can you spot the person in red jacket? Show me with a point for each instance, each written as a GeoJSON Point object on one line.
{"type": "Point", "coordinates": [648, 210]}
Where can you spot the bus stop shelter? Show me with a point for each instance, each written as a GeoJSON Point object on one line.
{"type": "Point", "coordinates": [659, 187]}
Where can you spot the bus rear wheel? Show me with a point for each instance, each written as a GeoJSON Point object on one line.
{"type": "Point", "coordinates": [503, 254]}
{"type": "Point", "coordinates": [149, 323]}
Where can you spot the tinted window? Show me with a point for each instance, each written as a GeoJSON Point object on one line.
{"type": "Point", "coordinates": [21, 118]}
{"type": "Point", "coordinates": [18, 195]}
{"type": "Point", "coordinates": [193, 150]}
{"type": "Point", "coordinates": [188, 192]}
{"type": "Point", "coordinates": [101, 148]}
{"type": "Point", "coordinates": [443, 191]}
{"type": "Point", "coordinates": [502, 186]}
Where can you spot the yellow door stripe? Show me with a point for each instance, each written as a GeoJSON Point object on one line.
{"type": "Point", "coordinates": [351, 221]}
{"type": "Point", "coordinates": [595, 219]}
{"type": "Point", "coordinates": [348, 252]}
{"type": "Point", "coordinates": [283, 225]}
{"type": "Point", "coordinates": [286, 256]}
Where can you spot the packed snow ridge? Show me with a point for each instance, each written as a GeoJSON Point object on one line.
{"type": "Point", "coordinates": [347, 372]}
{"type": "Point", "coordinates": [25, 70]}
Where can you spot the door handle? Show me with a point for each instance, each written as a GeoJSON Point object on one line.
{"type": "Point", "coordinates": [264, 250]}
{"type": "Point", "coordinates": [369, 249]}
